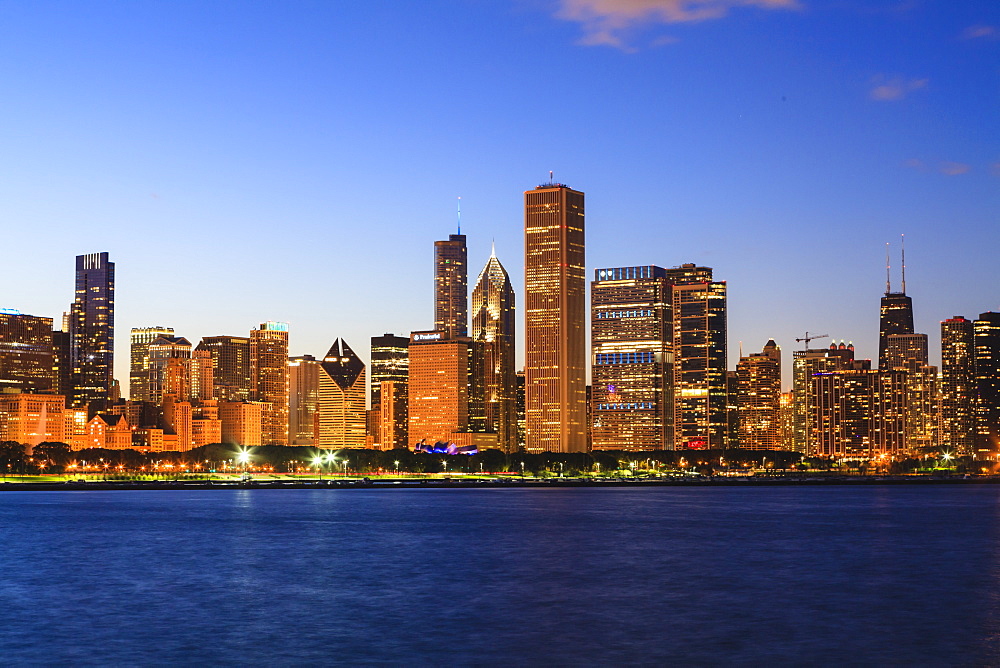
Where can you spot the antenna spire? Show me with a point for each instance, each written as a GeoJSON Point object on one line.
{"type": "Point", "coordinates": [902, 258]}
{"type": "Point", "coordinates": [550, 177]}
{"type": "Point", "coordinates": [459, 215]}
{"type": "Point", "coordinates": [493, 247]}
{"type": "Point", "coordinates": [888, 289]}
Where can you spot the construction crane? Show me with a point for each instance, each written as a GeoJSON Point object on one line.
{"type": "Point", "coordinates": [808, 338]}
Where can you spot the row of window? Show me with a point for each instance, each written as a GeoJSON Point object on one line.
{"type": "Point", "coordinates": [635, 405]}
{"type": "Point", "coordinates": [626, 358]}
{"type": "Point", "coordinates": [640, 313]}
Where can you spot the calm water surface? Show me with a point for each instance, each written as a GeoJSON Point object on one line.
{"type": "Point", "coordinates": [812, 575]}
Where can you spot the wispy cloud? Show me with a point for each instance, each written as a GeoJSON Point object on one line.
{"type": "Point", "coordinates": [611, 22]}
{"type": "Point", "coordinates": [953, 168]}
{"type": "Point", "coordinates": [888, 90]}
{"type": "Point", "coordinates": [915, 163]}
{"type": "Point", "coordinates": [980, 32]}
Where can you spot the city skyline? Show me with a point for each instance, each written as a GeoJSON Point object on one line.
{"type": "Point", "coordinates": [786, 168]}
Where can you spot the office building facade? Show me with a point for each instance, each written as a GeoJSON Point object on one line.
{"type": "Point", "coordinates": [493, 332]}
{"type": "Point", "coordinates": [758, 399]}
{"type": "Point", "coordinates": [555, 333]}
{"type": "Point", "coordinates": [269, 378]}
{"type": "Point", "coordinates": [92, 330]}
{"type": "Point", "coordinates": [958, 386]}
{"type": "Point", "coordinates": [631, 403]}
{"type": "Point", "coordinates": [451, 286]}
{"type": "Point", "coordinates": [343, 386]}
{"type": "Point", "coordinates": [27, 359]}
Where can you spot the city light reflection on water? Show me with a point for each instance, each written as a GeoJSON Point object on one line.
{"type": "Point", "coordinates": [567, 576]}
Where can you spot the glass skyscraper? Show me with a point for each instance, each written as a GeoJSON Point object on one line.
{"type": "Point", "coordinates": [92, 330]}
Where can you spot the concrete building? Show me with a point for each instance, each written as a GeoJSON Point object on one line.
{"type": "Point", "coordinates": [27, 362]}
{"type": "Point", "coordinates": [269, 378]}
{"type": "Point", "coordinates": [758, 399]}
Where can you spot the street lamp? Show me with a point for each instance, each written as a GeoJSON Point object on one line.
{"type": "Point", "coordinates": [244, 459]}
{"type": "Point", "coordinates": [397, 466]}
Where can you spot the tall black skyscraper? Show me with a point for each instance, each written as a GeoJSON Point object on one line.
{"type": "Point", "coordinates": [896, 314]}
{"type": "Point", "coordinates": [92, 329]}
{"type": "Point", "coordinates": [493, 352]}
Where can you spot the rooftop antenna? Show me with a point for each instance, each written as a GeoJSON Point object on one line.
{"type": "Point", "coordinates": [493, 247]}
{"type": "Point", "coordinates": [902, 259]}
{"type": "Point", "coordinates": [459, 215]}
{"type": "Point", "coordinates": [887, 288]}
{"type": "Point", "coordinates": [550, 177]}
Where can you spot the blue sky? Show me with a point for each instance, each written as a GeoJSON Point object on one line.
{"type": "Point", "coordinates": [295, 161]}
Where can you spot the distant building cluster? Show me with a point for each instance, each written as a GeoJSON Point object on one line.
{"type": "Point", "coordinates": [657, 364]}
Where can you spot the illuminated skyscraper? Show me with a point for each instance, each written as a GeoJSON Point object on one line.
{"type": "Point", "coordinates": [390, 361]}
{"type": "Point", "coordinates": [908, 352]}
{"type": "Point", "coordinates": [699, 343]}
{"type": "Point", "coordinates": [141, 337]}
{"type": "Point", "coordinates": [27, 363]}
{"type": "Point", "coordinates": [269, 378]}
{"type": "Point", "coordinates": [958, 385]}
{"type": "Point", "coordinates": [632, 351]}
{"type": "Point", "coordinates": [92, 329]}
{"type": "Point", "coordinates": [896, 314]}
{"type": "Point", "coordinates": [493, 332]}
{"type": "Point", "coordinates": [806, 364]}
{"type": "Point", "coordinates": [231, 366]}
{"type": "Point", "coordinates": [758, 399]}
{"type": "Point", "coordinates": [555, 312]}
{"type": "Point", "coordinates": [163, 379]}
{"type": "Point", "coordinates": [451, 286]}
{"type": "Point", "coordinates": [859, 413]}
{"type": "Point", "coordinates": [303, 399]}
{"type": "Point", "coordinates": [986, 332]}
{"type": "Point", "coordinates": [342, 389]}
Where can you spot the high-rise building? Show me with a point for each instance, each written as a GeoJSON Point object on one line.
{"type": "Point", "coordinates": [451, 286]}
{"type": "Point", "coordinates": [27, 362]}
{"type": "Point", "coordinates": [758, 399]}
{"type": "Point", "coordinates": [230, 366]}
{"type": "Point", "coordinates": [241, 422]}
{"type": "Point", "coordinates": [269, 378]}
{"type": "Point", "coordinates": [390, 362]}
{"type": "Point", "coordinates": [555, 313]}
{"type": "Point", "coordinates": [958, 385]}
{"type": "Point", "coordinates": [858, 413]}
{"type": "Point", "coordinates": [806, 364]}
{"type": "Point", "coordinates": [493, 333]}
{"type": "Point", "coordinates": [908, 352]}
{"type": "Point", "coordinates": [92, 329]}
{"type": "Point", "coordinates": [699, 343]}
{"type": "Point", "coordinates": [896, 314]}
{"type": "Point", "coordinates": [631, 339]}
{"type": "Point", "coordinates": [30, 419]}
{"type": "Point", "coordinates": [986, 334]}
{"type": "Point", "coordinates": [140, 339]}
{"type": "Point", "coordinates": [392, 422]}
{"type": "Point", "coordinates": [303, 399]}
{"type": "Point", "coordinates": [159, 354]}
{"type": "Point", "coordinates": [343, 385]}
{"type": "Point", "coordinates": [439, 392]}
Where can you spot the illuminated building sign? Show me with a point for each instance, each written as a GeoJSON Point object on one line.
{"type": "Point", "coordinates": [276, 326]}
{"type": "Point", "coordinates": [429, 336]}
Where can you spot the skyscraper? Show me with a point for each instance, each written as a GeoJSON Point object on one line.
{"type": "Point", "coordinates": [908, 352]}
{"type": "Point", "coordinates": [231, 366]}
{"type": "Point", "coordinates": [555, 334]}
{"type": "Point", "coordinates": [451, 286]}
{"type": "Point", "coordinates": [632, 353]}
{"type": "Point", "coordinates": [699, 343]}
{"type": "Point", "coordinates": [269, 378]}
{"type": "Point", "coordinates": [758, 399]}
{"type": "Point", "coordinates": [92, 329]}
{"type": "Point", "coordinates": [303, 399]}
{"type": "Point", "coordinates": [342, 389]}
{"type": "Point", "coordinates": [986, 333]}
{"type": "Point", "coordinates": [859, 412]}
{"type": "Point", "coordinates": [958, 385]}
{"type": "Point", "coordinates": [805, 364]}
{"type": "Point", "coordinates": [493, 332]}
{"type": "Point", "coordinates": [140, 339]}
{"type": "Point", "coordinates": [896, 314]}
{"type": "Point", "coordinates": [390, 364]}
{"type": "Point", "coordinates": [161, 379]}
{"type": "Point", "coordinates": [27, 363]}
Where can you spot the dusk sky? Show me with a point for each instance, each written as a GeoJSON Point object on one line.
{"type": "Point", "coordinates": [295, 161]}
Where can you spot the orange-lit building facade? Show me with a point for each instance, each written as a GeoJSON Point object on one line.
{"type": "Point", "coordinates": [343, 386]}
{"type": "Point", "coordinates": [269, 378]}
{"type": "Point", "coordinates": [31, 419]}
{"type": "Point", "coordinates": [241, 422]}
{"type": "Point", "coordinates": [758, 399]}
{"type": "Point", "coordinates": [303, 399]}
{"type": "Point", "coordinates": [555, 313]}
{"type": "Point", "coordinates": [26, 355]}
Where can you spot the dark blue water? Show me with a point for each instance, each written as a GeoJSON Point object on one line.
{"type": "Point", "coordinates": [812, 575]}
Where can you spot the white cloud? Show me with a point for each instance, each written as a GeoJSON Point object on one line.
{"type": "Point", "coordinates": [895, 89]}
{"type": "Point", "coordinates": [609, 22]}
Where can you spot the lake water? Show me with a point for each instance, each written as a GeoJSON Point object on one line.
{"type": "Point", "coordinates": [778, 575]}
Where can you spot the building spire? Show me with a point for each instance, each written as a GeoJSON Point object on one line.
{"type": "Point", "coordinates": [888, 289]}
{"type": "Point", "coordinates": [902, 259]}
{"type": "Point", "coordinates": [493, 247]}
{"type": "Point", "coordinates": [459, 215]}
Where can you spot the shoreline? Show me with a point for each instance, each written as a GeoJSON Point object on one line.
{"type": "Point", "coordinates": [763, 481]}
